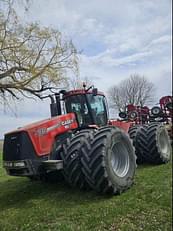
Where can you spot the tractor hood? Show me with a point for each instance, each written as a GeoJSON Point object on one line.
{"type": "Point", "coordinates": [43, 133]}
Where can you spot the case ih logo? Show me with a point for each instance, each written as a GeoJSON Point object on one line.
{"type": "Point", "coordinates": [65, 123]}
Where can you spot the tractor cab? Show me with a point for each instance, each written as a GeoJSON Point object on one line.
{"type": "Point", "coordinates": [89, 107]}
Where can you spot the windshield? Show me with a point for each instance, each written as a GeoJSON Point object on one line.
{"type": "Point", "coordinates": [98, 108]}
{"type": "Point", "coordinates": [88, 108]}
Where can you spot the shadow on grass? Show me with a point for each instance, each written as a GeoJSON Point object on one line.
{"type": "Point", "coordinates": [22, 192]}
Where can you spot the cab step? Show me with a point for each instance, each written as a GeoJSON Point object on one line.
{"type": "Point", "coordinates": [53, 164]}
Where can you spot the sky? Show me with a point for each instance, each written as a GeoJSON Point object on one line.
{"type": "Point", "coordinates": [117, 38]}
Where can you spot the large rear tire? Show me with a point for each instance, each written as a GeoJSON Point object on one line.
{"type": "Point", "coordinates": [133, 131]}
{"type": "Point", "coordinates": [142, 145]}
{"type": "Point", "coordinates": [109, 166]}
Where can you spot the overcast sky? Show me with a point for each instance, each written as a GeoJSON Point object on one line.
{"type": "Point", "coordinates": [117, 38]}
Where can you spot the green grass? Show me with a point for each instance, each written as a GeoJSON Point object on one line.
{"type": "Point", "coordinates": [26, 205]}
{"type": "Point", "coordinates": [1, 145]}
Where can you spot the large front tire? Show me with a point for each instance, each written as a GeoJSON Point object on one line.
{"type": "Point", "coordinates": [71, 156]}
{"type": "Point", "coordinates": [110, 165]}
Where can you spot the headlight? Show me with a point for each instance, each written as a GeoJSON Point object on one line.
{"type": "Point", "coordinates": [7, 164]}
{"type": "Point", "coordinates": [13, 164]}
{"type": "Point", "coordinates": [19, 164]}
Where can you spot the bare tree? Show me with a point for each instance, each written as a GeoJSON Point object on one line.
{"type": "Point", "coordinates": [135, 90]}
{"type": "Point", "coordinates": [33, 60]}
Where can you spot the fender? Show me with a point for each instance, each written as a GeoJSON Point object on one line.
{"type": "Point", "coordinates": [121, 124]}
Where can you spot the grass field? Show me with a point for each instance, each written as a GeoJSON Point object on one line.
{"type": "Point", "coordinates": [26, 205]}
{"type": "Point", "coordinates": [1, 145]}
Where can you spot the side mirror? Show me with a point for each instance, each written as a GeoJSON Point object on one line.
{"type": "Point", "coordinates": [95, 91]}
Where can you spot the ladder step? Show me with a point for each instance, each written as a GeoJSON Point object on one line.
{"type": "Point", "coordinates": [53, 164]}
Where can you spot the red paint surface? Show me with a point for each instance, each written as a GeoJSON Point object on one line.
{"type": "Point", "coordinates": [81, 92]}
{"type": "Point", "coordinates": [43, 133]}
{"type": "Point", "coordinates": [121, 124]}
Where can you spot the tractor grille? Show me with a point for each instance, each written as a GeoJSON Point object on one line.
{"type": "Point", "coordinates": [18, 149]}
{"type": "Point", "coordinates": [12, 146]}
{"type": "Point", "coordinates": [17, 146]}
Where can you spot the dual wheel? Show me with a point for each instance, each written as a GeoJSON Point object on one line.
{"type": "Point", "coordinates": [151, 142]}
{"type": "Point", "coordinates": [103, 160]}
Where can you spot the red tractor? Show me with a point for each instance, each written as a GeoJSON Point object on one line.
{"type": "Point", "coordinates": [76, 140]}
{"type": "Point", "coordinates": [80, 141]}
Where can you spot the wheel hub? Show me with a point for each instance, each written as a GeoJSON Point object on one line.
{"type": "Point", "coordinates": [120, 159]}
{"type": "Point", "coordinates": [164, 142]}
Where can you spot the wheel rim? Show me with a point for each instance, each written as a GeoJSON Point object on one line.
{"type": "Point", "coordinates": [164, 142]}
{"type": "Point", "coordinates": [156, 111]}
{"type": "Point", "coordinates": [120, 159]}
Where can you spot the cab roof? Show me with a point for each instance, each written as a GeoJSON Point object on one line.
{"type": "Point", "coordinates": [81, 92]}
